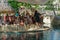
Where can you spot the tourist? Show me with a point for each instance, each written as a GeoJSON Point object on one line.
{"type": "Point", "coordinates": [37, 16]}
{"type": "Point", "coordinates": [22, 26]}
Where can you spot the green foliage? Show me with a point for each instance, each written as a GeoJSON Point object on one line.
{"type": "Point", "coordinates": [36, 6]}
{"type": "Point", "coordinates": [27, 5]}
{"type": "Point", "coordinates": [58, 14]}
{"type": "Point", "coordinates": [13, 4]}
{"type": "Point", "coordinates": [59, 9]}
{"type": "Point", "coordinates": [49, 2]}
{"type": "Point", "coordinates": [49, 5]}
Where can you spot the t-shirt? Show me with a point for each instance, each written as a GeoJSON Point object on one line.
{"type": "Point", "coordinates": [16, 14]}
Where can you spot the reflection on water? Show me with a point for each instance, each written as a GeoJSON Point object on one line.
{"type": "Point", "coordinates": [45, 35]}
{"type": "Point", "coordinates": [21, 36]}
{"type": "Point", "coordinates": [55, 35]}
{"type": "Point", "coordinates": [24, 36]}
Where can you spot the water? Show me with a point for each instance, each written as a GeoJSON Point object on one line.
{"type": "Point", "coordinates": [25, 36]}
{"type": "Point", "coordinates": [53, 34]}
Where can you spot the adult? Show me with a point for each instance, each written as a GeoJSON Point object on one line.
{"type": "Point", "coordinates": [37, 16]}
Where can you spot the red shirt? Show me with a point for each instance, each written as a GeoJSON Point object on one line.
{"type": "Point", "coordinates": [5, 18]}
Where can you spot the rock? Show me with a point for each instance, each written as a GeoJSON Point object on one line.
{"type": "Point", "coordinates": [56, 22]}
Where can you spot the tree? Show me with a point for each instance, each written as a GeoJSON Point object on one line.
{"type": "Point", "coordinates": [50, 6]}
{"type": "Point", "coordinates": [13, 4]}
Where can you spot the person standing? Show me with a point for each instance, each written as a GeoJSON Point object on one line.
{"type": "Point", "coordinates": [37, 16]}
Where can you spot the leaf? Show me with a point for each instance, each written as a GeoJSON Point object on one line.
{"type": "Point", "coordinates": [13, 4]}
